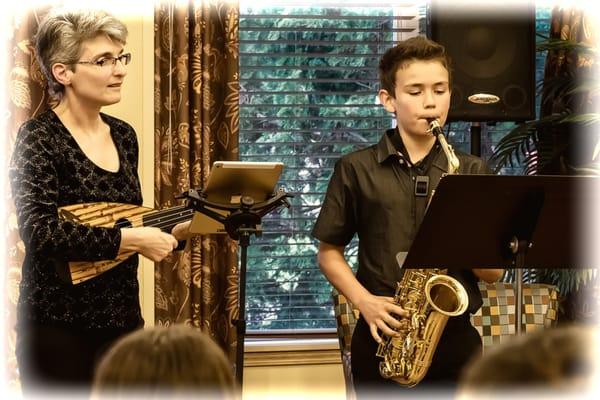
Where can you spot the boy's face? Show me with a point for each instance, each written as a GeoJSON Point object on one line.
{"type": "Point", "coordinates": [422, 91]}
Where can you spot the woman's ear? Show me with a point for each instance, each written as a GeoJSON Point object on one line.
{"type": "Point", "coordinates": [387, 101]}
{"type": "Point", "coordinates": [62, 73]}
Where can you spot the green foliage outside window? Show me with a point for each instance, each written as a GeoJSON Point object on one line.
{"type": "Point", "coordinates": [308, 80]}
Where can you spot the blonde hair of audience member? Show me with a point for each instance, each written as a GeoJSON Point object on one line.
{"type": "Point", "coordinates": [164, 361]}
{"type": "Point", "coordinates": [554, 361]}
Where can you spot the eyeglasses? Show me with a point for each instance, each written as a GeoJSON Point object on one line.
{"type": "Point", "coordinates": [109, 61]}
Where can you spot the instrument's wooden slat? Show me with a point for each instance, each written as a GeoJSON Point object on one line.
{"type": "Point", "coordinates": [119, 208]}
{"type": "Point", "coordinates": [101, 214]}
{"type": "Point", "coordinates": [111, 220]}
{"type": "Point", "coordinates": [105, 212]}
{"type": "Point", "coordinates": [78, 209]}
{"type": "Point", "coordinates": [81, 271]}
{"type": "Point", "coordinates": [105, 221]}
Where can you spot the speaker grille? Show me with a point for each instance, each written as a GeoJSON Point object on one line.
{"type": "Point", "coordinates": [493, 52]}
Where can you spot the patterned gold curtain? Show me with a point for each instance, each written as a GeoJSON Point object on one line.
{"type": "Point", "coordinates": [574, 27]}
{"type": "Point", "coordinates": [196, 122]}
{"type": "Point", "coordinates": [27, 97]}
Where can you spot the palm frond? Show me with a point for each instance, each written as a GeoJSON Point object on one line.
{"type": "Point", "coordinates": [567, 280]}
{"type": "Point", "coordinates": [559, 44]}
{"type": "Point", "coordinates": [586, 84]}
{"type": "Point", "coordinates": [523, 142]}
{"type": "Point", "coordinates": [530, 275]}
{"type": "Point", "coordinates": [568, 85]}
{"type": "Point", "coordinates": [586, 119]}
{"type": "Point", "coordinates": [542, 36]}
{"type": "Point", "coordinates": [510, 146]}
{"type": "Point", "coordinates": [592, 169]}
{"type": "Point", "coordinates": [557, 87]}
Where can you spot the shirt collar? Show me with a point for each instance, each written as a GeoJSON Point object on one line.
{"type": "Point", "coordinates": [385, 147]}
{"type": "Point", "coordinates": [387, 150]}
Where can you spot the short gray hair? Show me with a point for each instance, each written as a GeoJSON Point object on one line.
{"type": "Point", "coordinates": [61, 34]}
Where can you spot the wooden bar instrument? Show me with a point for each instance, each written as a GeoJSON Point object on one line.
{"type": "Point", "coordinates": [108, 215]}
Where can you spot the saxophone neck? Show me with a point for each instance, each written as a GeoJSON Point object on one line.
{"type": "Point", "coordinates": [453, 163]}
{"type": "Point", "coordinates": [437, 131]}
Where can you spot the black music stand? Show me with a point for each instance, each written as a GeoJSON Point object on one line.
{"type": "Point", "coordinates": [240, 221]}
{"type": "Point", "coordinates": [479, 221]}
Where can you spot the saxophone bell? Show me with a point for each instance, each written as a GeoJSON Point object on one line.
{"type": "Point", "coordinates": [446, 295]}
{"type": "Point", "coordinates": [431, 297]}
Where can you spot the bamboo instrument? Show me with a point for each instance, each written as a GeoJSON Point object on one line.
{"type": "Point", "coordinates": [108, 215]}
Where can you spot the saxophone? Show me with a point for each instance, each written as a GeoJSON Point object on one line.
{"type": "Point", "coordinates": [453, 163]}
{"type": "Point", "coordinates": [430, 297]}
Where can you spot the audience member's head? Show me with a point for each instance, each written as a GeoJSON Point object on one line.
{"type": "Point", "coordinates": [556, 361]}
{"type": "Point", "coordinates": [175, 361]}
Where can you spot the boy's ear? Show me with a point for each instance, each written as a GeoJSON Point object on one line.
{"type": "Point", "coordinates": [387, 100]}
{"type": "Point", "coordinates": [62, 73]}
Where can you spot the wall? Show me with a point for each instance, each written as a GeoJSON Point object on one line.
{"type": "Point", "coordinates": [137, 108]}
{"type": "Point", "coordinates": [293, 368]}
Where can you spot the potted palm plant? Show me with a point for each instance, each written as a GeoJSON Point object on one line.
{"type": "Point", "coordinates": [564, 140]}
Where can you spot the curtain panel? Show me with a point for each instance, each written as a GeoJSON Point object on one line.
{"type": "Point", "coordinates": [26, 97]}
{"type": "Point", "coordinates": [196, 115]}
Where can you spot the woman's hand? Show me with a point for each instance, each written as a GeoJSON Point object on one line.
{"type": "Point", "coordinates": [378, 313]}
{"type": "Point", "coordinates": [152, 243]}
{"type": "Point", "coordinates": [181, 231]}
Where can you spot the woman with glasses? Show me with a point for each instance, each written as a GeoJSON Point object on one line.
{"type": "Point", "coordinates": [72, 154]}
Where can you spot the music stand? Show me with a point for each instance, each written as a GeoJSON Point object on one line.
{"type": "Point", "coordinates": [240, 216]}
{"type": "Point", "coordinates": [479, 221]}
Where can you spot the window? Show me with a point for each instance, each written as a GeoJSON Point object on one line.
{"type": "Point", "coordinates": [308, 85]}
{"type": "Point", "coordinates": [308, 77]}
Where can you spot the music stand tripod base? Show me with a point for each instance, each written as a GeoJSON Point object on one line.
{"type": "Point", "coordinates": [241, 221]}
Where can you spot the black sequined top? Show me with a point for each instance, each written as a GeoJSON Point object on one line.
{"type": "Point", "coordinates": [49, 170]}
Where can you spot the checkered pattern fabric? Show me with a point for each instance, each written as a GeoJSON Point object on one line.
{"type": "Point", "coordinates": [345, 318]}
{"type": "Point", "coordinates": [495, 320]}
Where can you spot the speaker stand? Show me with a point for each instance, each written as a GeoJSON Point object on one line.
{"type": "Point", "coordinates": [476, 139]}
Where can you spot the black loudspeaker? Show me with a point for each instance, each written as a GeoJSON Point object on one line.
{"type": "Point", "coordinates": [493, 54]}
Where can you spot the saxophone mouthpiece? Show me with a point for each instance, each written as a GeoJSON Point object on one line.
{"type": "Point", "coordinates": [434, 126]}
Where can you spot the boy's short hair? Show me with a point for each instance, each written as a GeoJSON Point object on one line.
{"type": "Point", "coordinates": [417, 48]}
